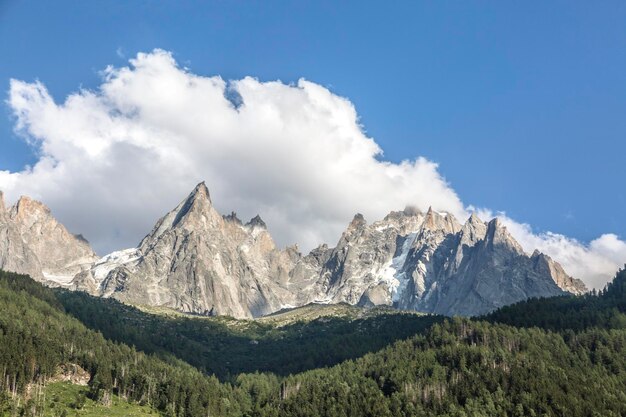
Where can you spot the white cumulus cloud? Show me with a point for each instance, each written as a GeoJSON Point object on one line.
{"type": "Point", "coordinates": [113, 160]}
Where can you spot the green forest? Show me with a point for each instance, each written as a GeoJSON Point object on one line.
{"type": "Point", "coordinates": [227, 347]}
{"type": "Point", "coordinates": [563, 356]}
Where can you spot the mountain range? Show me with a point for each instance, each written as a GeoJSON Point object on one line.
{"type": "Point", "coordinates": [198, 261]}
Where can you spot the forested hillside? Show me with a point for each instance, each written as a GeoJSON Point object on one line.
{"type": "Point", "coordinates": [36, 336]}
{"type": "Point", "coordinates": [576, 366]}
{"type": "Point", "coordinates": [227, 347]}
{"type": "Point", "coordinates": [602, 309]}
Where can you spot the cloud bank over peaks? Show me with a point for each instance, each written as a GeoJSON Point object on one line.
{"type": "Point", "coordinates": [112, 160]}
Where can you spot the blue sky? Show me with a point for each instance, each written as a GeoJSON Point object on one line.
{"type": "Point", "coordinates": [522, 104]}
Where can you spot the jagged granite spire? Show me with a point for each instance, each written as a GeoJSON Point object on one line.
{"type": "Point", "coordinates": [545, 265]}
{"type": "Point", "coordinates": [256, 221]}
{"type": "Point", "coordinates": [232, 217]}
{"type": "Point", "coordinates": [196, 260]}
{"type": "Point", "coordinates": [473, 230]}
{"type": "Point", "coordinates": [498, 235]}
{"type": "Point", "coordinates": [195, 211]}
{"type": "Point", "coordinates": [358, 222]}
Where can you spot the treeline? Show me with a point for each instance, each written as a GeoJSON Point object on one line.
{"type": "Point", "coordinates": [465, 368]}
{"type": "Point", "coordinates": [458, 367]}
{"type": "Point", "coordinates": [227, 347]}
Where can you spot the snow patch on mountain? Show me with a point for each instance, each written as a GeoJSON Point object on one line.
{"type": "Point", "coordinates": [393, 273]}
{"type": "Point", "coordinates": [63, 280]}
{"type": "Point", "coordinates": [398, 263]}
{"type": "Point", "coordinates": [111, 261]}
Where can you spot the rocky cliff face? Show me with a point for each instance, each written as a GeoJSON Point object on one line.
{"type": "Point", "coordinates": [33, 242]}
{"type": "Point", "coordinates": [196, 260]}
{"type": "Point", "coordinates": [429, 262]}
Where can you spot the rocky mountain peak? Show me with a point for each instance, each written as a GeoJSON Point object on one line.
{"type": "Point", "coordinates": [394, 216]}
{"type": "Point", "coordinates": [2, 206]}
{"type": "Point", "coordinates": [195, 212]}
{"type": "Point", "coordinates": [544, 264]}
{"type": "Point", "coordinates": [32, 241]}
{"type": "Point", "coordinates": [435, 221]}
{"type": "Point", "coordinates": [197, 203]}
{"type": "Point", "coordinates": [473, 230]}
{"type": "Point", "coordinates": [405, 221]}
{"type": "Point", "coordinates": [358, 222]}
{"type": "Point", "coordinates": [202, 191]}
{"type": "Point", "coordinates": [29, 210]}
{"type": "Point", "coordinates": [498, 235]}
{"type": "Point", "coordinates": [474, 220]}
{"type": "Point", "coordinates": [493, 230]}
{"type": "Point", "coordinates": [197, 260]}
{"type": "Point", "coordinates": [322, 248]}
{"type": "Point", "coordinates": [232, 217]}
{"type": "Point", "coordinates": [256, 221]}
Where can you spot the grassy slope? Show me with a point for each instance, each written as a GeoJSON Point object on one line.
{"type": "Point", "coordinates": [313, 312]}
{"type": "Point", "coordinates": [64, 396]}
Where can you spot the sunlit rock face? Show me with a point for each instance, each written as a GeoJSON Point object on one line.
{"type": "Point", "coordinates": [33, 242]}
{"type": "Point", "coordinates": [429, 262]}
{"type": "Point", "coordinates": [196, 260]}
